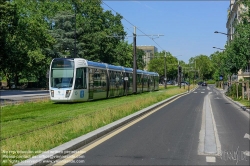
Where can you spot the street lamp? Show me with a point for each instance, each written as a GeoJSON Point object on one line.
{"type": "Point", "coordinates": [223, 33]}
{"type": "Point", "coordinates": [228, 34]}
{"type": "Point", "coordinates": [219, 48]}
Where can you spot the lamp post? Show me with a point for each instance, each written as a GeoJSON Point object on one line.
{"type": "Point", "coordinates": [165, 78]}
{"type": "Point", "coordinates": [75, 32]}
{"type": "Point", "coordinates": [134, 63]}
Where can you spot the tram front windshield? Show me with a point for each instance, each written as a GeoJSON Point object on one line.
{"type": "Point", "coordinates": [62, 72]}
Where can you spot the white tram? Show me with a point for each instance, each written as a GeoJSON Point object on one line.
{"type": "Point", "coordinates": [77, 79]}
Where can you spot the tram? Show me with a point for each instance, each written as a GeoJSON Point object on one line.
{"type": "Point", "coordinates": [77, 79]}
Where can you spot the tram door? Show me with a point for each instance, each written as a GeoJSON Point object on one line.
{"type": "Point", "coordinates": [115, 84]}
{"type": "Point", "coordinates": [91, 84]}
{"type": "Point", "coordinates": [112, 84]}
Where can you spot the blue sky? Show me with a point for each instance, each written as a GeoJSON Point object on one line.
{"type": "Point", "coordinates": [188, 26]}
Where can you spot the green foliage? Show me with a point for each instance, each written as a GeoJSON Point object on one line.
{"type": "Point", "coordinates": [203, 66]}
{"type": "Point", "coordinates": [232, 91]}
{"type": "Point", "coordinates": [238, 50]}
{"type": "Point", "coordinates": [210, 81]}
{"type": "Point", "coordinates": [34, 32]}
{"type": "Point", "coordinates": [220, 65]}
{"type": "Point", "coordinates": [124, 54]}
{"type": "Point", "coordinates": [157, 65]}
{"type": "Point", "coordinates": [140, 62]}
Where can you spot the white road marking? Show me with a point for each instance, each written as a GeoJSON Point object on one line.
{"type": "Point", "coordinates": [210, 159]}
{"type": "Point", "coordinates": [217, 98]}
{"type": "Point", "coordinates": [202, 92]}
{"type": "Point", "coordinates": [209, 142]}
{"type": "Point", "coordinates": [195, 92]}
{"type": "Point", "coordinates": [247, 153]}
{"type": "Point", "coordinates": [247, 136]}
{"type": "Point", "coordinates": [208, 88]}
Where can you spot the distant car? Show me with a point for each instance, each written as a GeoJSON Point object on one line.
{"type": "Point", "coordinates": [204, 84]}
{"type": "Point", "coordinates": [184, 83]}
{"type": "Point", "coordinates": [169, 83]}
{"type": "Point", "coordinates": [200, 83]}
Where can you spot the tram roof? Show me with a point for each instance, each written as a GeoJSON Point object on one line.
{"type": "Point", "coordinates": [128, 69]}
{"type": "Point", "coordinates": [113, 67]}
{"type": "Point", "coordinates": [97, 64]}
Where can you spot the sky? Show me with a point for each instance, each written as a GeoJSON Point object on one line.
{"type": "Point", "coordinates": [187, 26]}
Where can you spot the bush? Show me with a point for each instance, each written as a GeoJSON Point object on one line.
{"type": "Point", "coordinates": [232, 92]}
{"type": "Point", "coordinates": [210, 82]}
{"type": "Point", "coordinates": [217, 84]}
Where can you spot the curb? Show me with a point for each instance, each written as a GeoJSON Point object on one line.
{"type": "Point", "coordinates": [244, 108]}
{"type": "Point", "coordinates": [51, 155]}
{"type": "Point", "coordinates": [239, 104]}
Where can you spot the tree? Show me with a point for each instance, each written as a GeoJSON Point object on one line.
{"type": "Point", "coordinates": [219, 65]}
{"type": "Point", "coordinates": [157, 65]}
{"type": "Point", "coordinates": [24, 55]}
{"type": "Point", "coordinates": [34, 32]}
{"type": "Point", "coordinates": [8, 25]}
{"type": "Point", "coordinates": [124, 54]}
{"type": "Point", "coordinates": [63, 31]}
{"type": "Point", "coordinates": [140, 61]}
{"type": "Point", "coordinates": [101, 32]}
{"type": "Point", "coordinates": [238, 50]}
{"type": "Point", "coordinates": [203, 66]}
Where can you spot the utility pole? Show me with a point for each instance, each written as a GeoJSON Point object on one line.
{"type": "Point", "coordinates": [165, 71]}
{"type": "Point", "coordinates": [134, 63]}
{"type": "Point", "coordinates": [75, 33]}
{"type": "Point", "coordinates": [134, 57]}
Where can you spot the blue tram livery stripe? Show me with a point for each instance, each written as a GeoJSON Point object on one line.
{"type": "Point", "coordinates": [81, 93]}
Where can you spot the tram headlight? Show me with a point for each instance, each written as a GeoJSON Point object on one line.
{"type": "Point", "coordinates": [67, 93]}
{"type": "Point", "coordinates": [52, 93]}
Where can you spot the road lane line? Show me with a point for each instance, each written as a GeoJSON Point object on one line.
{"type": "Point", "coordinates": [210, 159]}
{"type": "Point", "coordinates": [247, 136]}
{"type": "Point", "coordinates": [210, 144]}
{"type": "Point", "coordinates": [218, 144]}
{"type": "Point", "coordinates": [246, 153]}
{"type": "Point", "coordinates": [105, 138]}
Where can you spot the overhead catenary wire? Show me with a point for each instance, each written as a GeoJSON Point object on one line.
{"type": "Point", "coordinates": [144, 34]}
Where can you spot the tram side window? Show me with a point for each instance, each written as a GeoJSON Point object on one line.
{"type": "Point", "coordinates": [99, 78]}
{"type": "Point", "coordinates": [80, 81]}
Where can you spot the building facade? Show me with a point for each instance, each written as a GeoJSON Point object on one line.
{"type": "Point", "coordinates": [234, 11]}
{"type": "Point", "coordinates": [149, 53]}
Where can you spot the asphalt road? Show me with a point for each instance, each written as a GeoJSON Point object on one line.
{"type": "Point", "coordinates": [173, 135]}
{"type": "Point", "coordinates": [14, 96]}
